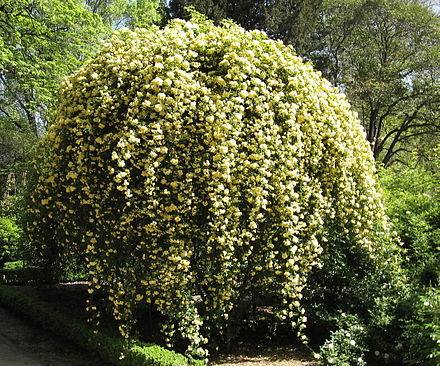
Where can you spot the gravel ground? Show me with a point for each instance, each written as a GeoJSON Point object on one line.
{"type": "Point", "coordinates": [281, 356]}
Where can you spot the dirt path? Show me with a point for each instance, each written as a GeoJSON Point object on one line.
{"type": "Point", "coordinates": [282, 356]}
{"type": "Point", "coordinates": [22, 344]}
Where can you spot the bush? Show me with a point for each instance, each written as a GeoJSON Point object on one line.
{"type": "Point", "coordinates": [369, 290]}
{"type": "Point", "coordinates": [347, 345]}
{"type": "Point", "coordinates": [384, 294]}
{"type": "Point", "coordinates": [421, 337]}
{"type": "Point", "coordinates": [412, 201]}
{"type": "Point", "coordinates": [10, 235]}
{"type": "Point", "coordinates": [197, 167]}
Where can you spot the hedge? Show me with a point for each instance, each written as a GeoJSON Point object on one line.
{"type": "Point", "coordinates": [109, 348]}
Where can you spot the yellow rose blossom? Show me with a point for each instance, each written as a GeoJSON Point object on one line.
{"type": "Point", "coordinates": [201, 162]}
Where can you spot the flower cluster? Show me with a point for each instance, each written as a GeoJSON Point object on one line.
{"type": "Point", "coordinates": [195, 165]}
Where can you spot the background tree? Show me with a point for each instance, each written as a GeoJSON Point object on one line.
{"type": "Point", "coordinates": [40, 42]}
{"type": "Point", "coordinates": [44, 40]}
{"type": "Point", "coordinates": [293, 21]}
{"type": "Point", "coordinates": [385, 54]}
{"type": "Point", "coordinates": [131, 13]}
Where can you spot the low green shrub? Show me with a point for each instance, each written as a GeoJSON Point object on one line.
{"type": "Point", "coordinates": [14, 265]}
{"type": "Point", "coordinates": [346, 346]}
{"type": "Point", "coordinates": [10, 234]}
{"type": "Point", "coordinates": [109, 348]}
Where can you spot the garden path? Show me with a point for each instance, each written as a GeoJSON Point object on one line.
{"type": "Point", "coordinates": [22, 344]}
{"type": "Point", "coordinates": [282, 356]}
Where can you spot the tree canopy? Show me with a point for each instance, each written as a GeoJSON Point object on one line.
{"type": "Point", "coordinates": [128, 13]}
{"type": "Point", "coordinates": [40, 42]}
{"type": "Point", "coordinates": [385, 55]}
{"type": "Point", "coordinates": [292, 21]}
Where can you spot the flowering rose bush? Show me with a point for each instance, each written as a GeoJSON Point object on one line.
{"type": "Point", "coordinates": [195, 166]}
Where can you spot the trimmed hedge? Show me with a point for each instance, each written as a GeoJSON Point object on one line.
{"type": "Point", "coordinates": [109, 348]}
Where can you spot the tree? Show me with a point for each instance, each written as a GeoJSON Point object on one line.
{"type": "Point", "coordinates": [292, 21]}
{"type": "Point", "coordinates": [131, 13]}
{"type": "Point", "coordinates": [41, 41]}
{"type": "Point", "coordinates": [384, 54]}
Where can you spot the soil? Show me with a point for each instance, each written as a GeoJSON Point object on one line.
{"type": "Point", "coordinates": [277, 356]}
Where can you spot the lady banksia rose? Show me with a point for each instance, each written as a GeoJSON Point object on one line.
{"type": "Point", "coordinates": [196, 166]}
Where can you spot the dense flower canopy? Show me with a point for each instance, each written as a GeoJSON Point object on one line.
{"type": "Point", "coordinates": [196, 165]}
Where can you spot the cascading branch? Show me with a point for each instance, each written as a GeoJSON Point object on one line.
{"type": "Point", "coordinates": [196, 166]}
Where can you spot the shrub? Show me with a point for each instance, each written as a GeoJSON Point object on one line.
{"type": "Point", "coordinates": [197, 166]}
{"type": "Point", "coordinates": [346, 345]}
{"type": "Point", "coordinates": [421, 336]}
{"type": "Point", "coordinates": [9, 236]}
{"type": "Point", "coordinates": [412, 201]}
{"type": "Point", "coordinates": [370, 290]}
{"type": "Point", "coordinates": [384, 293]}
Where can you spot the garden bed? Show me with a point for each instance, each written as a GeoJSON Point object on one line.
{"type": "Point", "coordinates": [69, 298]}
{"type": "Point", "coordinates": [110, 348]}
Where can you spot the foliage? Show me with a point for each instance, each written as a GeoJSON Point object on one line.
{"type": "Point", "coordinates": [346, 275]}
{"type": "Point", "coordinates": [369, 290]}
{"type": "Point", "coordinates": [292, 21]}
{"type": "Point", "coordinates": [41, 41]}
{"type": "Point", "coordinates": [16, 152]}
{"type": "Point", "coordinates": [386, 298]}
{"type": "Point", "coordinates": [111, 349]}
{"type": "Point", "coordinates": [15, 147]}
{"type": "Point", "coordinates": [385, 54]}
{"type": "Point", "coordinates": [128, 13]}
{"type": "Point", "coordinates": [9, 236]}
{"type": "Point", "coordinates": [412, 200]}
{"type": "Point", "coordinates": [346, 346]}
{"type": "Point", "coordinates": [14, 265]}
{"type": "Point", "coordinates": [421, 335]}
{"type": "Point", "coordinates": [201, 162]}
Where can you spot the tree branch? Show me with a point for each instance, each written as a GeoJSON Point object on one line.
{"type": "Point", "coordinates": [19, 126]}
